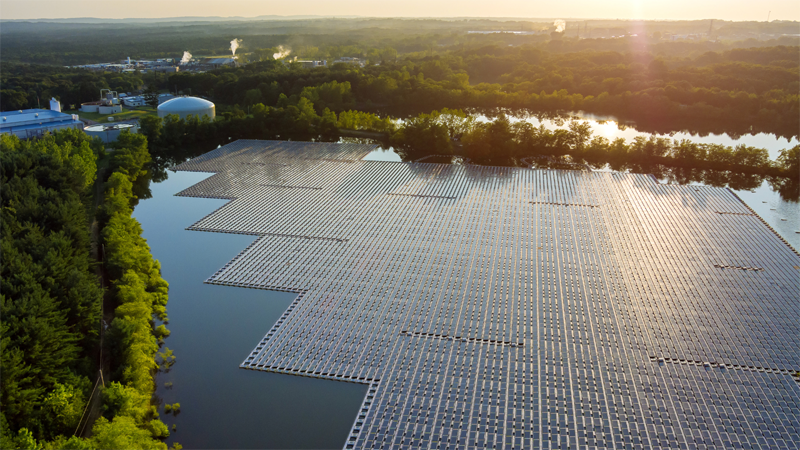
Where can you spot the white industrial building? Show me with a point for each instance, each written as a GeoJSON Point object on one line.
{"type": "Point", "coordinates": [110, 133]}
{"type": "Point", "coordinates": [349, 60]}
{"type": "Point", "coordinates": [312, 64]}
{"type": "Point", "coordinates": [29, 123]}
{"type": "Point", "coordinates": [108, 104]}
{"type": "Point", "coordinates": [187, 106]}
{"type": "Point", "coordinates": [137, 100]}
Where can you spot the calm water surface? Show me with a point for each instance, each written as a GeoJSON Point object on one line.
{"type": "Point", "coordinates": [214, 328]}
{"type": "Point", "coordinates": [609, 128]}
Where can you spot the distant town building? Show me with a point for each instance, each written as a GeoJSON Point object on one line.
{"type": "Point", "coordinates": [220, 62]}
{"type": "Point", "coordinates": [349, 60]}
{"type": "Point", "coordinates": [29, 123]}
{"type": "Point", "coordinates": [312, 64]}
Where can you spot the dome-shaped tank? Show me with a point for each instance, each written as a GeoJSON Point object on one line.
{"type": "Point", "coordinates": [185, 106]}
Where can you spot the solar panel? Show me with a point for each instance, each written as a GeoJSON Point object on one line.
{"type": "Point", "coordinates": [507, 307]}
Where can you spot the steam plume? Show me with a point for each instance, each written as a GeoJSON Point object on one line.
{"type": "Point", "coordinates": [234, 45]}
{"type": "Point", "coordinates": [282, 52]}
{"type": "Point", "coordinates": [186, 58]}
{"type": "Point", "coordinates": [560, 25]}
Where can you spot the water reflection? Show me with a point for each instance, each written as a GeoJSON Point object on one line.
{"type": "Point", "coordinates": [213, 330]}
{"type": "Point", "coordinates": [611, 128]}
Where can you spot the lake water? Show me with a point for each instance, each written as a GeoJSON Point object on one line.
{"type": "Point", "coordinates": [214, 328]}
{"type": "Point", "coordinates": [609, 128]}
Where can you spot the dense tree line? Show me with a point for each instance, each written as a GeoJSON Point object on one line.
{"type": "Point", "coordinates": [105, 41]}
{"type": "Point", "coordinates": [27, 86]}
{"type": "Point", "coordinates": [173, 139]}
{"type": "Point", "coordinates": [736, 91]}
{"type": "Point", "coordinates": [661, 86]}
{"type": "Point", "coordinates": [50, 295]}
{"type": "Point", "coordinates": [503, 142]}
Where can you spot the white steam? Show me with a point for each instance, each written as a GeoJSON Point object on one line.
{"type": "Point", "coordinates": [186, 58]}
{"type": "Point", "coordinates": [282, 53]}
{"type": "Point", "coordinates": [234, 45]}
{"type": "Point", "coordinates": [560, 25]}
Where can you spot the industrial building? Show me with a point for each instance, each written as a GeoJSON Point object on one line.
{"type": "Point", "coordinates": [216, 63]}
{"type": "Point", "coordinates": [349, 60]}
{"type": "Point", "coordinates": [515, 308]}
{"type": "Point", "coordinates": [187, 106]}
{"type": "Point", "coordinates": [110, 133]}
{"type": "Point", "coordinates": [30, 123]}
{"type": "Point", "coordinates": [128, 65]}
{"type": "Point", "coordinates": [312, 64]}
{"type": "Point", "coordinates": [134, 100]}
{"type": "Point", "coordinates": [109, 103]}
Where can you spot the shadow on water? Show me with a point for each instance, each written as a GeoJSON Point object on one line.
{"type": "Point", "coordinates": [214, 328]}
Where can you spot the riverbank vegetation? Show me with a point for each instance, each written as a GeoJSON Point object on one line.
{"type": "Point", "coordinates": [51, 298]}
{"type": "Point", "coordinates": [139, 294]}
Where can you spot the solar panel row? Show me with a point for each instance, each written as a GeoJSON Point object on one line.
{"type": "Point", "coordinates": [504, 307]}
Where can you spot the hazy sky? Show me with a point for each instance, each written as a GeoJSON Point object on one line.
{"type": "Point", "coordinates": [613, 9]}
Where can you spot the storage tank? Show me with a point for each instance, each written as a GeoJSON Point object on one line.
{"type": "Point", "coordinates": [185, 106]}
{"type": "Point", "coordinates": [109, 133]}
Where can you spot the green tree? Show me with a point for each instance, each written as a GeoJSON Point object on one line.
{"type": "Point", "coordinates": [64, 406]}
{"type": "Point", "coordinates": [422, 135]}
{"type": "Point", "coordinates": [122, 432]}
{"type": "Point", "coordinates": [789, 160]}
{"type": "Point", "coordinates": [151, 95]}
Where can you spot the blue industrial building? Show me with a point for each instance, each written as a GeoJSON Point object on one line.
{"type": "Point", "coordinates": [29, 123]}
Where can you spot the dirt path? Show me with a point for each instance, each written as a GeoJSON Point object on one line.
{"type": "Point", "coordinates": [107, 312]}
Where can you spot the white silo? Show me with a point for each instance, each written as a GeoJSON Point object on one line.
{"type": "Point", "coordinates": [185, 106]}
{"type": "Point", "coordinates": [55, 105]}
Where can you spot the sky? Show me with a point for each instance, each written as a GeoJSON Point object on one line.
{"type": "Point", "coordinates": [566, 9]}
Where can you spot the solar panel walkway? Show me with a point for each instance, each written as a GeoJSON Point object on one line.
{"type": "Point", "coordinates": [513, 308]}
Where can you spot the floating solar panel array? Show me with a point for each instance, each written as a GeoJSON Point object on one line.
{"type": "Point", "coordinates": [502, 307]}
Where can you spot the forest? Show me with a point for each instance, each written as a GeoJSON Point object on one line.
{"type": "Point", "coordinates": [42, 41]}
{"type": "Point", "coordinates": [26, 86]}
{"type": "Point", "coordinates": [736, 91]}
{"type": "Point", "coordinates": [59, 361]}
{"type": "Point", "coordinates": [654, 86]}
